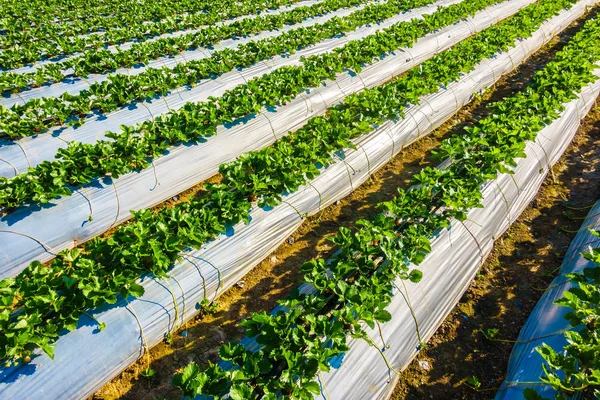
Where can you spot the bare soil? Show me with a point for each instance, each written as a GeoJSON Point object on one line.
{"type": "Point", "coordinates": [500, 297]}
{"type": "Point", "coordinates": [522, 264]}
{"type": "Point", "coordinates": [510, 283]}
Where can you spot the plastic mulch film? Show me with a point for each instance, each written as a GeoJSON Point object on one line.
{"type": "Point", "coordinates": [31, 233]}
{"type": "Point", "coordinates": [547, 323]}
{"type": "Point", "coordinates": [86, 358]}
{"type": "Point", "coordinates": [456, 256]}
{"type": "Point", "coordinates": [17, 156]}
{"type": "Point", "coordinates": [74, 86]}
{"type": "Point", "coordinates": [127, 45]}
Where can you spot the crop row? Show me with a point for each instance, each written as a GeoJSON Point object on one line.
{"type": "Point", "coordinates": [574, 370]}
{"type": "Point", "coordinates": [134, 147]}
{"type": "Point", "coordinates": [47, 10]}
{"type": "Point", "coordinates": [353, 289]}
{"type": "Point", "coordinates": [104, 60]}
{"type": "Point", "coordinates": [16, 55]}
{"type": "Point", "coordinates": [38, 12]}
{"type": "Point", "coordinates": [44, 299]}
{"type": "Point", "coordinates": [38, 114]}
{"type": "Point", "coordinates": [41, 18]}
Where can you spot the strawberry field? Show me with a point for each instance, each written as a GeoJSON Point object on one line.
{"type": "Point", "coordinates": [153, 153]}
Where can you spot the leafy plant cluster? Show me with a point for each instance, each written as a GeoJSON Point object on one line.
{"type": "Point", "coordinates": [39, 18]}
{"type": "Point", "coordinates": [103, 60]}
{"type": "Point", "coordinates": [575, 370]}
{"type": "Point", "coordinates": [119, 89]}
{"type": "Point", "coordinates": [135, 147]}
{"type": "Point", "coordinates": [52, 40]}
{"type": "Point", "coordinates": [25, 16]}
{"type": "Point", "coordinates": [72, 9]}
{"type": "Point", "coordinates": [85, 20]}
{"type": "Point", "coordinates": [352, 290]}
{"type": "Point", "coordinates": [44, 299]}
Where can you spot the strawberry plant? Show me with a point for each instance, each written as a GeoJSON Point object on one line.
{"type": "Point", "coordinates": [135, 148]}
{"type": "Point", "coordinates": [574, 371]}
{"type": "Point", "coordinates": [38, 114]}
{"type": "Point", "coordinates": [44, 299]}
{"type": "Point", "coordinates": [104, 60]}
{"type": "Point", "coordinates": [51, 39]}
{"type": "Point", "coordinates": [353, 288]}
{"type": "Point", "coordinates": [21, 25]}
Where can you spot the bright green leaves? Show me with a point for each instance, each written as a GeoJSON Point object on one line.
{"type": "Point", "coordinates": [103, 60]}
{"type": "Point", "coordinates": [52, 39]}
{"type": "Point", "coordinates": [43, 300]}
{"type": "Point", "coordinates": [132, 289]}
{"type": "Point", "coordinates": [21, 324]}
{"type": "Point", "coordinates": [383, 316]}
{"type": "Point", "coordinates": [80, 163]}
{"type": "Point", "coordinates": [241, 391]}
{"type": "Point", "coordinates": [575, 369]}
{"type": "Point", "coordinates": [355, 285]}
{"type": "Point", "coordinates": [415, 276]}
{"type": "Point", "coordinates": [105, 96]}
{"type": "Point", "coordinates": [132, 148]}
{"type": "Point", "coordinates": [312, 387]}
{"type": "Point", "coordinates": [53, 297]}
{"type": "Point", "coordinates": [191, 381]}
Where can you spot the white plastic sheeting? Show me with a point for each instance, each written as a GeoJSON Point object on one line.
{"type": "Point", "coordinates": [17, 156]}
{"type": "Point", "coordinates": [456, 256]}
{"type": "Point", "coordinates": [64, 222]}
{"type": "Point", "coordinates": [86, 358]}
{"type": "Point", "coordinates": [547, 322]}
{"type": "Point", "coordinates": [121, 47]}
{"type": "Point", "coordinates": [75, 85]}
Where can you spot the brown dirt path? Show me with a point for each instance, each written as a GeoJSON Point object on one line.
{"type": "Point", "coordinates": [279, 273]}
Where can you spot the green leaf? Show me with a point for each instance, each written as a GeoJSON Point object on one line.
{"type": "Point", "coordinates": [241, 391]}
{"type": "Point", "coordinates": [21, 324]}
{"type": "Point", "coordinates": [415, 276]}
{"type": "Point", "coordinates": [383, 316]}
{"type": "Point", "coordinates": [474, 381]}
{"type": "Point", "coordinates": [312, 387]}
{"type": "Point", "coordinates": [69, 282]}
{"type": "Point", "coordinates": [48, 349]}
{"type": "Point", "coordinates": [136, 290]}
